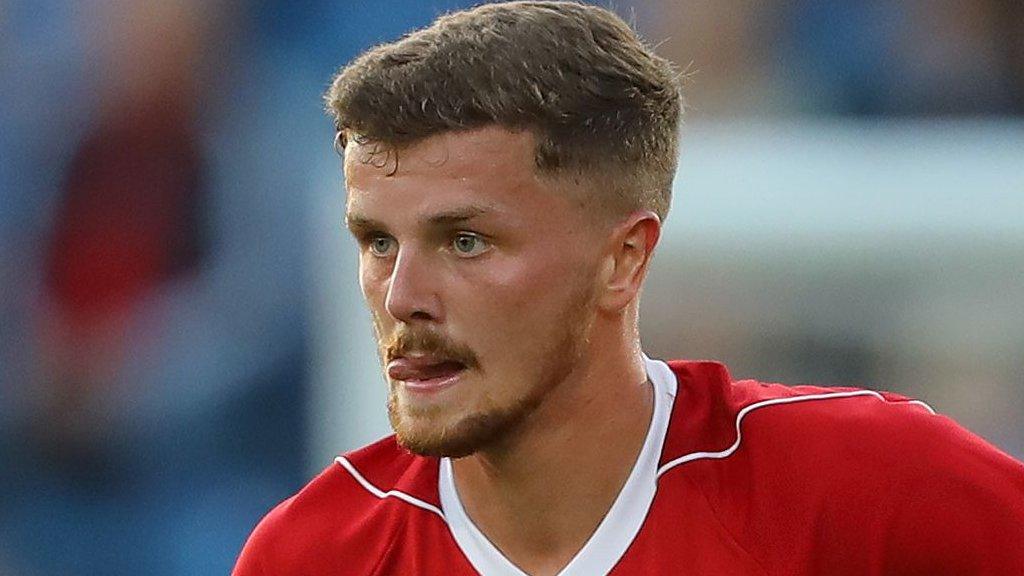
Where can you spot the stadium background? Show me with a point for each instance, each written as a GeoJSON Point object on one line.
{"type": "Point", "coordinates": [182, 342]}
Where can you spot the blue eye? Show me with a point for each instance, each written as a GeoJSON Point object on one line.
{"type": "Point", "coordinates": [467, 245]}
{"type": "Point", "coordinates": [380, 246]}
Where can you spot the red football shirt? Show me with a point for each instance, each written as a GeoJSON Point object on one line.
{"type": "Point", "coordinates": [734, 478]}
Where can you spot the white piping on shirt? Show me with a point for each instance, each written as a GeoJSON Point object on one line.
{"type": "Point", "coordinates": [665, 468]}
{"type": "Point", "coordinates": [390, 493]}
{"type": "Point", "coordinates": [746, 410]}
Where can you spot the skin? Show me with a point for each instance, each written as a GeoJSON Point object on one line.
{"type": "Point", "coordinates": [467, 252]}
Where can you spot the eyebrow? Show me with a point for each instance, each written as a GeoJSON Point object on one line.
{"type": "Point", "coordinates": [456, 216]}
{"type": "Point", "coordinates": [357, 223]}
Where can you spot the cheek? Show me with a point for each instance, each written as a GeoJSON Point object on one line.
{"type": "Point", "coordinates": [373, 279]}
{"type": "Point", "coordinates": [523, 299]}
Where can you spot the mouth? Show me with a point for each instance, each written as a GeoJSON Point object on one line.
{"type": "Point", "coordinates": [425, 374]}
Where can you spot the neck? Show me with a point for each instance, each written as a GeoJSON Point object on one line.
{"type": "Point", "coordinates": [541, 494]}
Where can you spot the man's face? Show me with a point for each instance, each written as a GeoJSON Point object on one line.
{"type": "Point", "coordinates": [480, 275]}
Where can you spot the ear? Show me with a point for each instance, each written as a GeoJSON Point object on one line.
{"type": "Point", "coordinates": [625, 266]}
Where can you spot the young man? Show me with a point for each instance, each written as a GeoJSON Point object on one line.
{"type": "Point", "coordinates": [508, 172]}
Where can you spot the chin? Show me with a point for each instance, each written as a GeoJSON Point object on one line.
{"type": "Point", "coordinates": [432, 448]}
{"type": "Point", "coordinates": [451, 430]}
{"type": "Point", "coordinates": [465, 437]}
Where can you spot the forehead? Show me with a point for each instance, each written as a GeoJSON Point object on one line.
{"type": "Point", "coordinates": [466, 152]}
{"type": "Point", "coordinates": [489, 166]}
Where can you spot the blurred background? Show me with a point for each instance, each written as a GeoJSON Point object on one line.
{"type": "Point", "coordinates": [182, 340]}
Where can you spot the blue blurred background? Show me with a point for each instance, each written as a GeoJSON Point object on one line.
{"type": "Point", "coordinates": [182, 341]}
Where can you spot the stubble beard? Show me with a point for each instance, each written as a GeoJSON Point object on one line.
{"type": "Point", "coordinates": [493, 426]}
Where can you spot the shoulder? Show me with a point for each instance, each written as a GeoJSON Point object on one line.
{"type": "Point", "coordinates": [715, 417]}
{"type": "Point", "coordinates": [350, 507]}
{"type": "Point", "coordinates": [848, 465]}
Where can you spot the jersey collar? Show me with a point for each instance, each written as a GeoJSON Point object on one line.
{"type": "Point", "coordinates": [618, 528]}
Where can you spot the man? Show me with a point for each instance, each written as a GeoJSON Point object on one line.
{"type": "Point", "coordinates": [508, 172]}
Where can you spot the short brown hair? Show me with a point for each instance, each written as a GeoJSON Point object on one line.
{"type": "Point", "coordinates": [596, 99]}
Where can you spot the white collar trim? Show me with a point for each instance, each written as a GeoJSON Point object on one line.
{"type": "Point", "coordinates": [619, 527]}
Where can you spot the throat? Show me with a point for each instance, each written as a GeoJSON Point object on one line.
{"type": "Point", "coordinates": [542, 499]}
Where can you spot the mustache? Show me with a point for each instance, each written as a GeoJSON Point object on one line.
{"type": "Point", "coordinates": [405, 342]}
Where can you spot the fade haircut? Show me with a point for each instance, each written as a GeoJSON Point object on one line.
{"type": "Point", "coordinates": [600, 105]}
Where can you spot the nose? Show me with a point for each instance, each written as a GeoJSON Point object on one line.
{"type": "Point", "coordinates": [412, 289]}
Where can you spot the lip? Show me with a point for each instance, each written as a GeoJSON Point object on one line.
{"type": "Point", "coordinates": [432, 385]}
{"type": "Point", "coordinates": [417, 374]}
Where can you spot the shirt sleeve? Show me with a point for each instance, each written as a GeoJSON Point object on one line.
{"type": "Point", "coordinates": [253, 559]}
{"type": "Point", "coordinates": [957, 507]}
